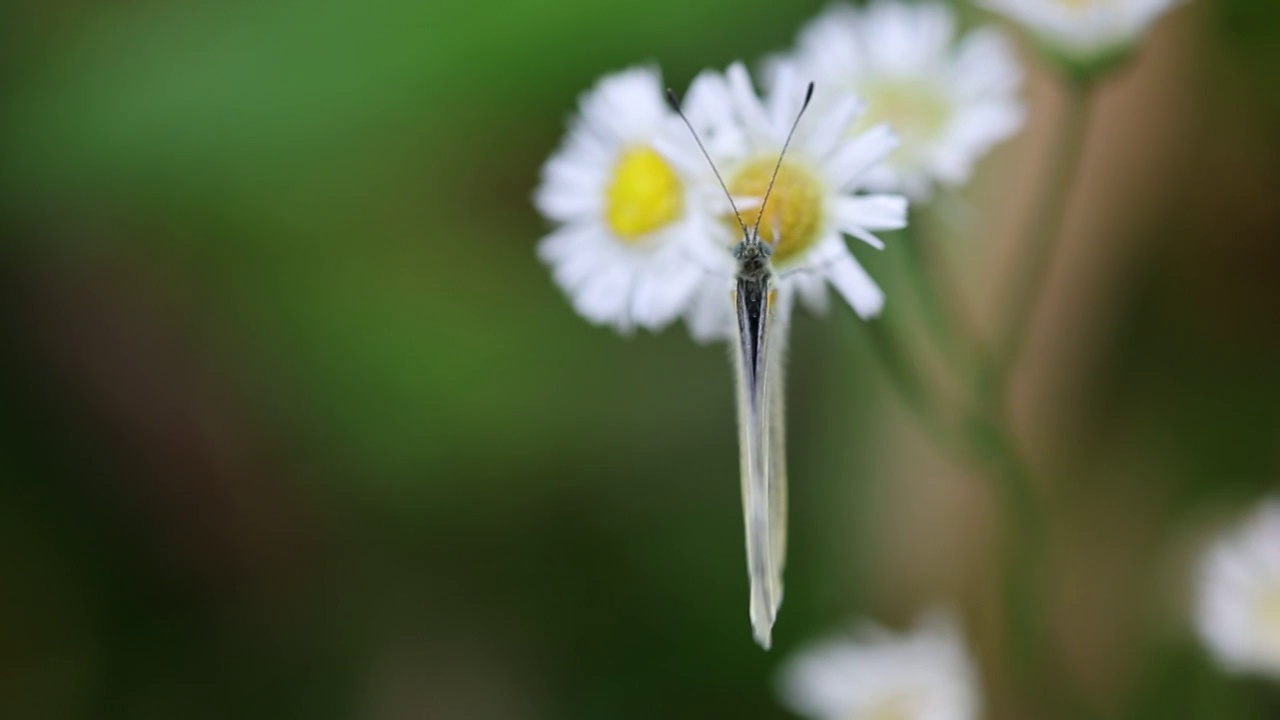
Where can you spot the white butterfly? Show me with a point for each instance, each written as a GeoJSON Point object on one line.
{"type": "Point", "coordinates": [761, 394]}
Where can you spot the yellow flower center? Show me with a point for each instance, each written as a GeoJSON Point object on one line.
{"type": "Point", "coordinates": [793, 214]}
{"type": "Point", "coordinates": [915, 112]}
{"type": "Point", "coordinates": [1080, 4]}
{"type": "Point", "coordinates": [645, 194]}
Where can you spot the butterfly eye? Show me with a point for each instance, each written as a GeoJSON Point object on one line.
{"type": "Point", "coordinates": [766, 249]}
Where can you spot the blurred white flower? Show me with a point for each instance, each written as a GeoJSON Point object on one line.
{"type": "Point", "coordinates": [625, 212]}
{"type": "Point", "coordinates": [948, 101]}
{"type": "Point", "coordinates": [815, 199]}
{"type": "Point", "coordinates": [873, 674]}
{"type": "Point", "coordinates": [1238, 613]}
{"type": "Point", "coordinates": [1083, 31]}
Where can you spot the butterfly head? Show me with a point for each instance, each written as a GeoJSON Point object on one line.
{"type": "Point", "coordinates": [752, 256]}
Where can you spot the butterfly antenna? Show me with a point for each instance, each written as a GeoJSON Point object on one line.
{"type": "Point", "coordinates": [808, 95]}
{"type": "Point", "coordinates": [675, 105]}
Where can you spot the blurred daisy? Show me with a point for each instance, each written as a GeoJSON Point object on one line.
{"type": "Point", "coordinates": [625, 211]}
{"type": "Point", "coordinates": [1238, 613]}
{"type": "Point", "coordinates": [874, 674]}
{"type": "Point", "coordinates": [949, 102]}
{"type": "Point", "coordinates": [1083, 31]}
{"type": "Point", "coordinates": [814, 202]}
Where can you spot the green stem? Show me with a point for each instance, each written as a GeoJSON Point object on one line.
{"type": "Point", "coordinates": [1026, 544]}
{"type": "Point", "coordinates": [933, 286]}
{"type": "Point", "coordinates": [984, 441]}
{"type": "Point", "coordinates": [1040, 237]}
{"type": "Point", "coordinates": [992, 450]}
{"type": "Point", "coordinates": [908, 381]}
{"type": "Point", "coordinates": [1027, 534]}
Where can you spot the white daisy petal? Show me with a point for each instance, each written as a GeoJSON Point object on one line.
{"type": "Point", "coordinates": [866, 237]}
{"type": "Point", "coordinates": [627, 104]}
{"type": "Point", "coordinates": [663, 294]}
{"type": "Point", "coordinates": [568, 195]}
{"type": "Point", "coordinates": [872, 212]}
{"type": "Point", "coordinates": [709, 106]}
{"type": "Point", "coordinates": [830, 127]}
{"type": "Point", "coordinates": [985, 67]}
{"type": "Point", "coordinates": [856, 286]}
{"type": "Point", "coordinates": [1238, 611]}
{"type": "Point", "coordinates": [604, 297]}
{"type": "Point", "coordinates": [852, 159]}
{"type": "Point", "coordinates": [785, 96]}
{"type": "Point", "coordinates": [575, 253]}
{"type": "Point", "coordinates": [811, 287]}
{"type": "Point", "coordinates": [710, 317]}
{"type": "Point", "coordinates": [751, 112]}
{"type": "Point", "coordinates": [925, 674]}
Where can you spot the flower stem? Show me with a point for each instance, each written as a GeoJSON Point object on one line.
{"type": "Point", "coordinates": [985, 437]}
{"type": "Point", "coordinates": [990, 432]}
{"type": "Point", "coordinates": [988, 444]}
{"type": "Point", "coordinates": [1040, 238]}
{"type": "Point", "coordinates": [983, 441]}
{"type": "Point", "coordinates": [940, 302]}
{"type": "Point", "coordinates": [1026, 546]}
{"type": "Point", "coordinates": [907, 380]}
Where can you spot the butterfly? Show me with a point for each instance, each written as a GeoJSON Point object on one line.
{"type": "Point", "coordinates": [761, 394]}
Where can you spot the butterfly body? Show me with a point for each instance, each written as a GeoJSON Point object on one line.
{"type": "Point", "coordinates": [758, 360]}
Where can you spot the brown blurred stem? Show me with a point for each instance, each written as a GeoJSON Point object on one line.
{"type": "Point", "coordinates": [1039, 240]}
{"type": "Point", "coordinates": [984, 441]}
{"type": "Point", "coordinates": [985, 437]}
{"type": "Point", "coordinates": [990, 428]}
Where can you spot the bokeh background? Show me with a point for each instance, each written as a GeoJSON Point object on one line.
{"type": "Point", "coordinates": [295, 424]}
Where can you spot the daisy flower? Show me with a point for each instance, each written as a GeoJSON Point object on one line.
{"type": "Point", "coordinates": [624, 211]}
{"type": "Point", "coordinates": [1238, 613]}
{"type": "Point", "coordinates": [925, 674]}
{"type": "Point", "coordinates": [814, 202]}
{"type": "Point", "coordinates": [948, 101]}
{"type": "Point", "coordinates": [1083, 31]}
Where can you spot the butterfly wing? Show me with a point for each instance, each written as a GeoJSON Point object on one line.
{"type": "Point", "coordinates": [775, 395]}
{"type": "Point", "coordinates": [763, 480]}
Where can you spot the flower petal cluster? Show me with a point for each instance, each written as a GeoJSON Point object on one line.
{"type": "Point", "coordinates": [645, 228]}
{"type": "Point", "coordinates": [872, 673]}
{"type": "Point", "coordinates": [1083, 32]}
{"type": "Point", "coordinates": [1238, 611]}
{"type": "Point", "coordinates": [949, 98]}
